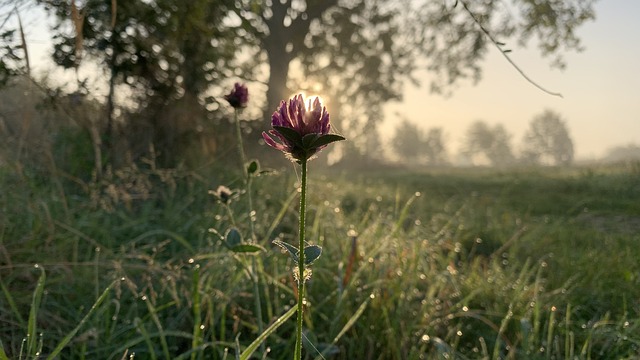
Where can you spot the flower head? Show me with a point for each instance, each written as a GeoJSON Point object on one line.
{"type": "Point", "coordinates": [302, 130]}
{"type": "Point", "coordinates": [238, 97]}
{"type": "Point", "coordinates": [223, 194]}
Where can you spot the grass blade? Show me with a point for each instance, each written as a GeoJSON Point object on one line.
{"type": "Point", "coordinates": [197, 313]}
{"type": "Point", "coordinates": [3, 355]}
{"type": "Point", "coordinates": [156, 320]}
{"type": "Point", "coordinates": [33, 313]}
{"type": "Point", "coordinates": [268, 331]}
{"type": "Point", "coordinates": [145, 337]}
{"type": "Point", "coordinates": [73, 332]}
{"type": "Point", "coordinates": [352, 321]}
{"type": "Point", "coordinates": [12, 303]}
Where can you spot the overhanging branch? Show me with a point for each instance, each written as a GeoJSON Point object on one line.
{"type": "Point", "coordinates": [504, 52]}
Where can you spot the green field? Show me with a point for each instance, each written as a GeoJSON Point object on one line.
{"type": "Point", "coordinates": [447, 263]}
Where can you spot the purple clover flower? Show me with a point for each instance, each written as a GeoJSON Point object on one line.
{"type": "Point", "coordinates": [238, 97]}
{"type": "Point", "coordinates": [302, 130]}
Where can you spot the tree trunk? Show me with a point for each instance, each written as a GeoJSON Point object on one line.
{"type": "Point", "coordinates": [277, 85]}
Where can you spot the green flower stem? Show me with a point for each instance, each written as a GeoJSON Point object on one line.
{"type": "Point", "coordinates": [230, 213]}
{"type": "Point", "coordinates": [303, 209]}
{"type": "Point", "coordinates": [243, 160]}
{"type": "Point", "coordinates": [254, 272]}
{"type": "Point", "coordinates": [247, 178]}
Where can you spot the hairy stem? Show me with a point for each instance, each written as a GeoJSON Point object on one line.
{"type": "Point", "coordinates": [303, 210]}
{"type": "Point", "coordinates": [254, 268]}
{"type": "Point", "coordinates": [243, 161]}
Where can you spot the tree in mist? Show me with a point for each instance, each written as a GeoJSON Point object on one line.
{"type": "Point", "coordinates": [408, 142]}
{"type": "Point", "coordinates": [547, 141]}
{"type": "Point", "coordinates": [435, 149]}
{"type": "Point", "coordinates": [412, 145]}
{"type": "Point", "coordinates": [628, 152]}
{"type": "Point", "coordinates": [492, 143]}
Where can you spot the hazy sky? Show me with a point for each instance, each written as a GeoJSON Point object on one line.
{"type": "Point", "coordinates": [601, 88]}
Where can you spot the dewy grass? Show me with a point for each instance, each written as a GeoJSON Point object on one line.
{"type": "Point", "coordinates": [470, 250]}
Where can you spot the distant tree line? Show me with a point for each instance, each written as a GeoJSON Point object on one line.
{"type": "Point", "coordinates": [546, 142]}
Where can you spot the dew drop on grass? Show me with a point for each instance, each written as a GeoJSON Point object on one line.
{"type": "Point", "coordinates": [418, 194]}
{"type": "Point", "coordinates": [36, 266]}
{"type": "Point", "coordinates": [465, 309]}
{"type": "Point", "coordinates": [191, 261]}
{"type": "Point", "coordinates": [423, 277]}
{"type": "Point", "coordinates": [201, 327]}
{"type": "Point", "coordinates": [459, 333]}
{"type": "Point", "coordinates": [144, 297]}
{"type": "Point", "coordinates": [626, 324]}
{"type": "Point", "coordinates": [373, 296]}
{"type": "Point", "coordinates": [425, 338]}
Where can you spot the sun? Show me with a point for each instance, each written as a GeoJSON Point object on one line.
{"type": "Point", "coordinates": [310, 98]}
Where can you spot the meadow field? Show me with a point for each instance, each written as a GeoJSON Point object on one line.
{"type": "Point", "coordinates": [477, 263]}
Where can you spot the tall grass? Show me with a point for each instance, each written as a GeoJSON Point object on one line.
{"type": "Point", "coordinates": [461, 264]}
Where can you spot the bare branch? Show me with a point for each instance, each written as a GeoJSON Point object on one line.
{"type": "Point", "coordinates": [504, 52]}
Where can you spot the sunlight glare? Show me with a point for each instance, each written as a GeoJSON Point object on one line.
{"type": "Point", "coordinates": [310, 98]}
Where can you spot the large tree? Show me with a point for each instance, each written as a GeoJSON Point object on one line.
{"type": "Point", "coordinates": [547, 141]}
{"type": "Point", "coordinates": [164, 54]}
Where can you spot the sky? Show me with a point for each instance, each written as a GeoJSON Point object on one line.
{"type": "Point", "coordinates": [600, 88]}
